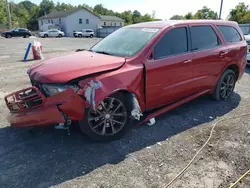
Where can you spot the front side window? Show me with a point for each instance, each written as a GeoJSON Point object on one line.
{"type": "Point", "coordinates": [80, 21]}
{"type": "Point", "coordinates": [172, 43]}
{"type": "Point", "coordinates": [125, 42]}
{"type": "Point", "coordinates": [203, 37]}
{"type": "Point", "coordinates": [230, 33]}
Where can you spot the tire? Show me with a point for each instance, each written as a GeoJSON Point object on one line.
{"type": "Point", "coordinates": [94, 124]}
{"type": "Point", "coordinates": [226, 81]}
{"type": "Point", "coordinates": [26, 36]}
{"type": "Point", "coordinates": [60, 36]}
{"type": "Point", "coordinates": [46, 35]}
{"type": "Point", "coordinates": [80, 35]}
{"type": "Point", "coordinates": [91, 36]}
{"type": "Point", "coordinates": [8, 36]}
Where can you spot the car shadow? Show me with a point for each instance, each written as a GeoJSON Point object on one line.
{"type": "Point", "coordinates": [48, 158]}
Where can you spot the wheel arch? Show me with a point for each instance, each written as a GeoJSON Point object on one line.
{"type": "Point", "coordinates": [235, 68]}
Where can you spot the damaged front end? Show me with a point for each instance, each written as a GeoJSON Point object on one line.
{"type": "Point", "coordinates": [30, 107]}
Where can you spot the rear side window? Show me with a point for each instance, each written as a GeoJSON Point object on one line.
{"type": "Point", "coordinates": [230, 33]}
{"type": "Point", "coordinates": [174, 42]}
{"type": "Point", "coordinates": [203, 37]}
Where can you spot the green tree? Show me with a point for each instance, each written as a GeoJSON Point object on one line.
{"type": "Point", "coordinates": [63, 6]}
{"type": "Point", "coordinates": [146, 18]}
{"type": "Point", "coordinates": [188, 16]}
{"type": "Point", "coordinates": [205, 13]}
{"type": "Point", "coordinates": [240, 14]}
{"type": "Point", "coordinates": [27, 5]}
{"type": "Point", "coordinates": [136, 16]}
{"type": "Point", "coordinates": [20, 16]}
{"type": "Point", "coordinates": [46, 7]}
{"type": "Point", "coordinates": [3, 15]}
{"type": "Point", "coordinates": [176, 17]}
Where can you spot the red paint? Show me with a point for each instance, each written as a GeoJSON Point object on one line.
{"type": "Point", "coordinates": [168, 82]}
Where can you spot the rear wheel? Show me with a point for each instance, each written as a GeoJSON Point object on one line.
{"type": "Point", "coordinates": [45, 36]}
{"type": "Point", "coordinates": [60, 35]}
{"type": "Point", "coordinates": [225, 85]}
{"type": "Point", "coordinates": [26, 36]}
{"type": "Point", "coordinates": [91, 36]}
{"type": "Point", "coordinates": [8, 36]}
{"type": "Point", "coordinates": [80, 35]}
{"type": "Point", "coordinates": [109, 122]}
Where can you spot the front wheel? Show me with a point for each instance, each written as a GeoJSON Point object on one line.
{"type": "Point", "coordinates": [225, 85]}
{"type": "Point", "coordinates": [91, 36]}
{"type": "Point", "coordinates": [60, 35]}
{"type": "Point", "coordinates": [109, 122]}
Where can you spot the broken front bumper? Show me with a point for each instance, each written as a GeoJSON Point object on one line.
{"type": "Point", "coordinates": [29, 107]}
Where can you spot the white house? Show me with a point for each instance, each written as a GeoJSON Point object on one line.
{"type": "Point", "coordinates": [77, 19]}
{"type": "Point", "coordinates": [108, 21]}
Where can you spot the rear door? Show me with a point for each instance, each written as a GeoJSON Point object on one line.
{"type": "Point", "coordinates": [236, 44]}
{"type": "Point", "coordinates": [209, 55]}
{"type": "Point", "coordinates": [169, 72]}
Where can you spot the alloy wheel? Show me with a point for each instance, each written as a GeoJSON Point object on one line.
{"type": "Point", "coordinates": [227, 86]}
{"type": "Point", "coordinates": [109, 117]}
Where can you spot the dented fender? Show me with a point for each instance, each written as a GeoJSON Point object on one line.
{"type": "Point", "coordinates": [129, 78]}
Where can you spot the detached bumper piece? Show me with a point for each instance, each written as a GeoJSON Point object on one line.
{"type": "Point", "coordinates": [29, 107]}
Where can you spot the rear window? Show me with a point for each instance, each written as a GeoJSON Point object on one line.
{"type": "Point", "coordinates": [230, 33]}
{"type": "Point", "coordinates": [203, 37]}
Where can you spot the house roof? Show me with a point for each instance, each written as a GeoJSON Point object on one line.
{"type": "Point", "coordinates": [65, 13]}
{"type": "Point", "coordinates": [111, 18]}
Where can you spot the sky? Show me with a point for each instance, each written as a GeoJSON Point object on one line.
{"type": "Point", "coordinates": [164, 9]}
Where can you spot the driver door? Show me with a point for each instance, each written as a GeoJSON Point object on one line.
{"type": "Point", "coordinates": [169, 70]}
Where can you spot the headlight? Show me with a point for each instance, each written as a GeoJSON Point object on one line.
{"type": "Point", "coordinates": [52, 89]}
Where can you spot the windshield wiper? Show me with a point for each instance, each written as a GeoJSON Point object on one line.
{"type": "Point", "coordinates": [102, 52]}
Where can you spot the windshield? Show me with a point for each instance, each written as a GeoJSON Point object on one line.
{"type": "Point", "coordinates": [126, 41]}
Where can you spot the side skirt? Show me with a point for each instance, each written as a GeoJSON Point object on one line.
{"type": "Point", "coordinates": [172, 106]}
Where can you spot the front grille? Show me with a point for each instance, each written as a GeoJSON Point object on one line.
{"type": "Point", "coordinates": [24, 99]}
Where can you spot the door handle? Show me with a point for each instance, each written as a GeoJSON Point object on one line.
{"type": "Point", "coordinates": [223, 53]}
{"type": "Point", "coordinates": [187, 61]}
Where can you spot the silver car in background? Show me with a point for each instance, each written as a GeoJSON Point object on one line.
{"type": "Point", "coordinates": [52, 33]}
{"type": "Point", "coordinates": [84, 33]}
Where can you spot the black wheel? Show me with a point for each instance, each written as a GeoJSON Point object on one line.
{"type": "Point", "coordinates": [8, 36]}
{"type": "Point", "coordinates": [225, 85]}
{"type": "Point", "coordinates": [80, 35]}
{"type": "Point", "coordinates": [60, 36]}
{"type": "Point", "coordinates": [91, 36]}
{"type": "Point", "coordinates": [45, 36]}
{"type": "Point", "coordinates": [26, 36]}
{"type": "Point", "coordinates": [109, 122]}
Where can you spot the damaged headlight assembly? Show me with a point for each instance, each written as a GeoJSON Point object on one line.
{"type": "Point", "coordinates": [52, 89]}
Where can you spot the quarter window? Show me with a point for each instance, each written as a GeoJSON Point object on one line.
{"type": "Point", "coordinates": [203, 37]}
{"type": "Point", "coordinates": [174, 42]}
{"type": "Point", "coordinates": [230, 33]}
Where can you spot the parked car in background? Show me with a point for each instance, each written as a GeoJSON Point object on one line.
{"type": "Point", "coordinates": [247, 37]}
{"type": "Point", "coordinates": [148, 67]}
{"type": "Point", "coordinates": [84, 33]}
{"type": "Point", "coordinates": [17, 32]}
{"type": "Point", "coordinates": [51, 33]}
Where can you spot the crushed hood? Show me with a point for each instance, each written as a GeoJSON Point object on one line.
{"type": "Point", "coordinates": [65, 68]}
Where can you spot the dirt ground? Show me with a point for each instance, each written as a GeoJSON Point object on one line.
{"type": "Point", "coordinates": [148, 156]}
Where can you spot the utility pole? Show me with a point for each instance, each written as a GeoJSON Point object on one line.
{"type": "Point", "coordinates": [9, 15]}
{"type": "Point", "coordinates": [221, 4]}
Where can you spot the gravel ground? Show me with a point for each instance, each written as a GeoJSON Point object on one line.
{"type": "Point", "coordinates": [148, 156]}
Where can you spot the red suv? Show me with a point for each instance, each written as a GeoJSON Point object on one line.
{"type": "Point", "coordinates": [148, 67]}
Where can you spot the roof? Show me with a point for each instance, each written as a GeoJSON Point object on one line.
{"type": "Point", "coordinates": [65, 13]}
{"type": "Point", "coordinates": [163, 24]}
{"type": "Point", "coordinates": [111, 18]}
